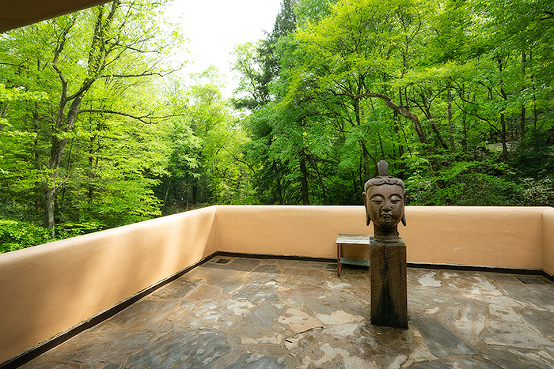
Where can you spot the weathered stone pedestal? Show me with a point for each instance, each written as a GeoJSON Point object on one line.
{"type": "Point", "coordinates": [389, 291]}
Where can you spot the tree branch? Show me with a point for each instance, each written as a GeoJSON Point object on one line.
{"type": "Point", "coordinates": [147, 119]}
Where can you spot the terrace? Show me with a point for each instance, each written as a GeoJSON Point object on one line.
{"type": "Point", "coordinates": [256, 286]}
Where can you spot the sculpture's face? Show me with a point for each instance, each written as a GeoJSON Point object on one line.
{"type": "Point", "coordinates": [385, 204]}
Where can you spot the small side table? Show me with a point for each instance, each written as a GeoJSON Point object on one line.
{"type": "Point", "coordinates": [351, 239]}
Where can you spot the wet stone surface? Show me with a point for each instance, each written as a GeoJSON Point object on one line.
{"type": "Point", "coordinates": [236, 312]}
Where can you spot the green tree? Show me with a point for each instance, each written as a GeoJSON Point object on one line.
{"type": "Point", "coordinates": [206, 163]}
{"type": "Point", "coordinates": [81, 62]}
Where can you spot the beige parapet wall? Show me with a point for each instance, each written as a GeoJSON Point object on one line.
{"type": "Point", "coordinates": [47, 289]}
{"type": "Point", "coordinates": [547, 263]}
{"type": "Point", "coordinates": [504, 237]}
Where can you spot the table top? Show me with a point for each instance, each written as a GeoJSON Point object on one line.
{"type": "Point", "coordinates": [353, 239]}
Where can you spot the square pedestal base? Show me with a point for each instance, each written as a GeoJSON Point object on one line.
{"type": "Point", "coordinates": [389, 291]}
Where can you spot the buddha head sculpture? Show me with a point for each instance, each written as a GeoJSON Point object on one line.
{"type": "Point", "coordinates": [384, 204]}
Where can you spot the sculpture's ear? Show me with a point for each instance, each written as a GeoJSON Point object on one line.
{"type": "Point", "coordinates": [367, 218]}
{"type": "Point", "coordinates": [403, 220]}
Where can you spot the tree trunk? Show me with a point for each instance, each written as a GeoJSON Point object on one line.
{"type": "Point", "coordinates": [522, 118]}
{"type": "Point", "coordinates": [405, 113]}
{"type": "Point", "coordinates": [365, 163]}
{"type": "Point", "coordinates": [502, 116]}
{"type": "Point", "coordinates": [465, 140]}
{"type": "Point", "coordinates": [439, 136]}
{"type": "Point", "coordinates": [66, 123]}
{"type": "Point", "coordinates": [313, 162]}
{"type": "Point", "coordinates": [304, 180]}
{"type": "Point", "coordinates": [450, 123]}
{"type": "Point", "coordinates": [49, 197]}
{"type": "Point", "coordinates": [57, 149]}
{"type": "Point", "coordinates": [503, 138]}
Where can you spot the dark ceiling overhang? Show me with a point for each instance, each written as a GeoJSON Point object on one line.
{"type": "Point", "coordinates": [19, 13]}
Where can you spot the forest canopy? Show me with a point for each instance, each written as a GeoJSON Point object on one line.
{"type": "Point", "coordinates": [97, 129]}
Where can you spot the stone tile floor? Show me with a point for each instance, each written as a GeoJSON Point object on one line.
{"type": "Point", "coordinates": [273, 313]}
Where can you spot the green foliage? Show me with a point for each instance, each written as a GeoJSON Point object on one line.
{"type": "Point", "coordinates": [16, 235]}
{"type": "Point", "coordinates": [69, 229]}
{"type": "Point", "coordinates": [452, 94]}
{"type": "Point", "coordinates": [206, 163]}
{"type": "Point", "coordinates": [538, 192]}
{"type": "Point", "coordinates": [466, 184]}
{"type": "Point", "coordinates": [533, 155]}
{"type": "Point", "coordinates": [82, 136]}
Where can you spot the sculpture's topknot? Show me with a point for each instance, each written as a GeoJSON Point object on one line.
{"type": "Point", "coordinates": [383, 178]}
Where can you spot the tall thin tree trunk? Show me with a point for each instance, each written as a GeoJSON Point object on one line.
{"type": "Point", "coordinates": [503, 137]}
{"type": "Point", "coordinates": [450, 123]}
{"type": "Point", "coordinates": [304, 181]}
{"type": "Point", "coordinates": [49, 198]}
{"type": "Point", "coordinates": [522, 118]}
{"type": "Point", "coordinates": [502, 115]}
{"type": "Point", "coordinates": [439, 136]}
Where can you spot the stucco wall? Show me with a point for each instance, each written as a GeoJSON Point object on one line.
{"type": "Point", "coordinates": [505, 237]}
{"type": "Point", "coordinates": [287, 230]}
{"type": "Point", "coordinates": [49, 288]}
{"type": "Point", "coordinates": [477, 236]}
{"type": "Point", "coordinates": [548, 241]}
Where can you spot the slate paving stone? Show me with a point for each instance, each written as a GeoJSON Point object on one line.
{"type": "Point", "coordinates": [254, 335]}
{"type": "Point", "coordinates": [257, 361]}
{"type": "Point", "coordinates": [387, 347]}
{"type": "Point", "coordinates": [458, 363]}
{"type": "Point", "coordinates": [302, 292]}
{"type": "Point", "coordinates": [105, 343]}
{"type": "Point", "coordinates": [541, 319]}
{"type": "Point", "coordinates": [440, 341]}
{"type": "Point", "coordinates": [517, 359]}
{"type": "Point", "coordinates": [335, 303]}
{"type": "Point", "coordinates": [531, 280]}
{"type": "Point", "coordinates": [213, 273]}
{"type": "Point", "coordinates": [113, 366]}
{"type": "Point", "coordinates": [539, 295]}
{"type": "Point", "coordinates": [239, 264]}
{"type": "Point", "coordinates": [264, 314]}
{"type": "Point", "coordinates": [231, 286]}
{"type": "Point", "coordinates": [267, 268]}
{"type": "Point", "coordinates": [36, 364]}
{"type": "Point", "coordinates": [205, 292]}
{"type": "Point", "coordinates": [258, 292]}
{"type": "Point", "coordinates": [302, 264]}
{"type": "Point", "coordinates": [146, 313]}
{"type": "Point", "coordinates": [513, 335]}
{"type": "Point", "coordinates": [264, 273]}
{"type": "Point", "coordinates": [181, 349]}
{"type": "Point", "coordinates": [176, 289]}
{"type": "Point", "coordinates": [465, 318]}
{"type": "Point", "coordinates": [276, 313]}
{"type": "Point", "coordinates": [218, 314]}
{"type": "Point", "coordinates": [500, 277]}
{"type": "Point", "coordinates": [423, 301]}
{"type": "Point", "coordinates": [298, 321]}
{"type": "Point", "coordinates": [302, 277]}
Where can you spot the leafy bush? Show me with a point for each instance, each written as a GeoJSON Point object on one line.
{"type": "Point", "coordinates": [471, 183]}
{"type": "Point", "coordinates": [538, 192]}
{"type": "Point", "coordinates": [69, 229]}
{"type": "Point", "coordinates": [15, 235]}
